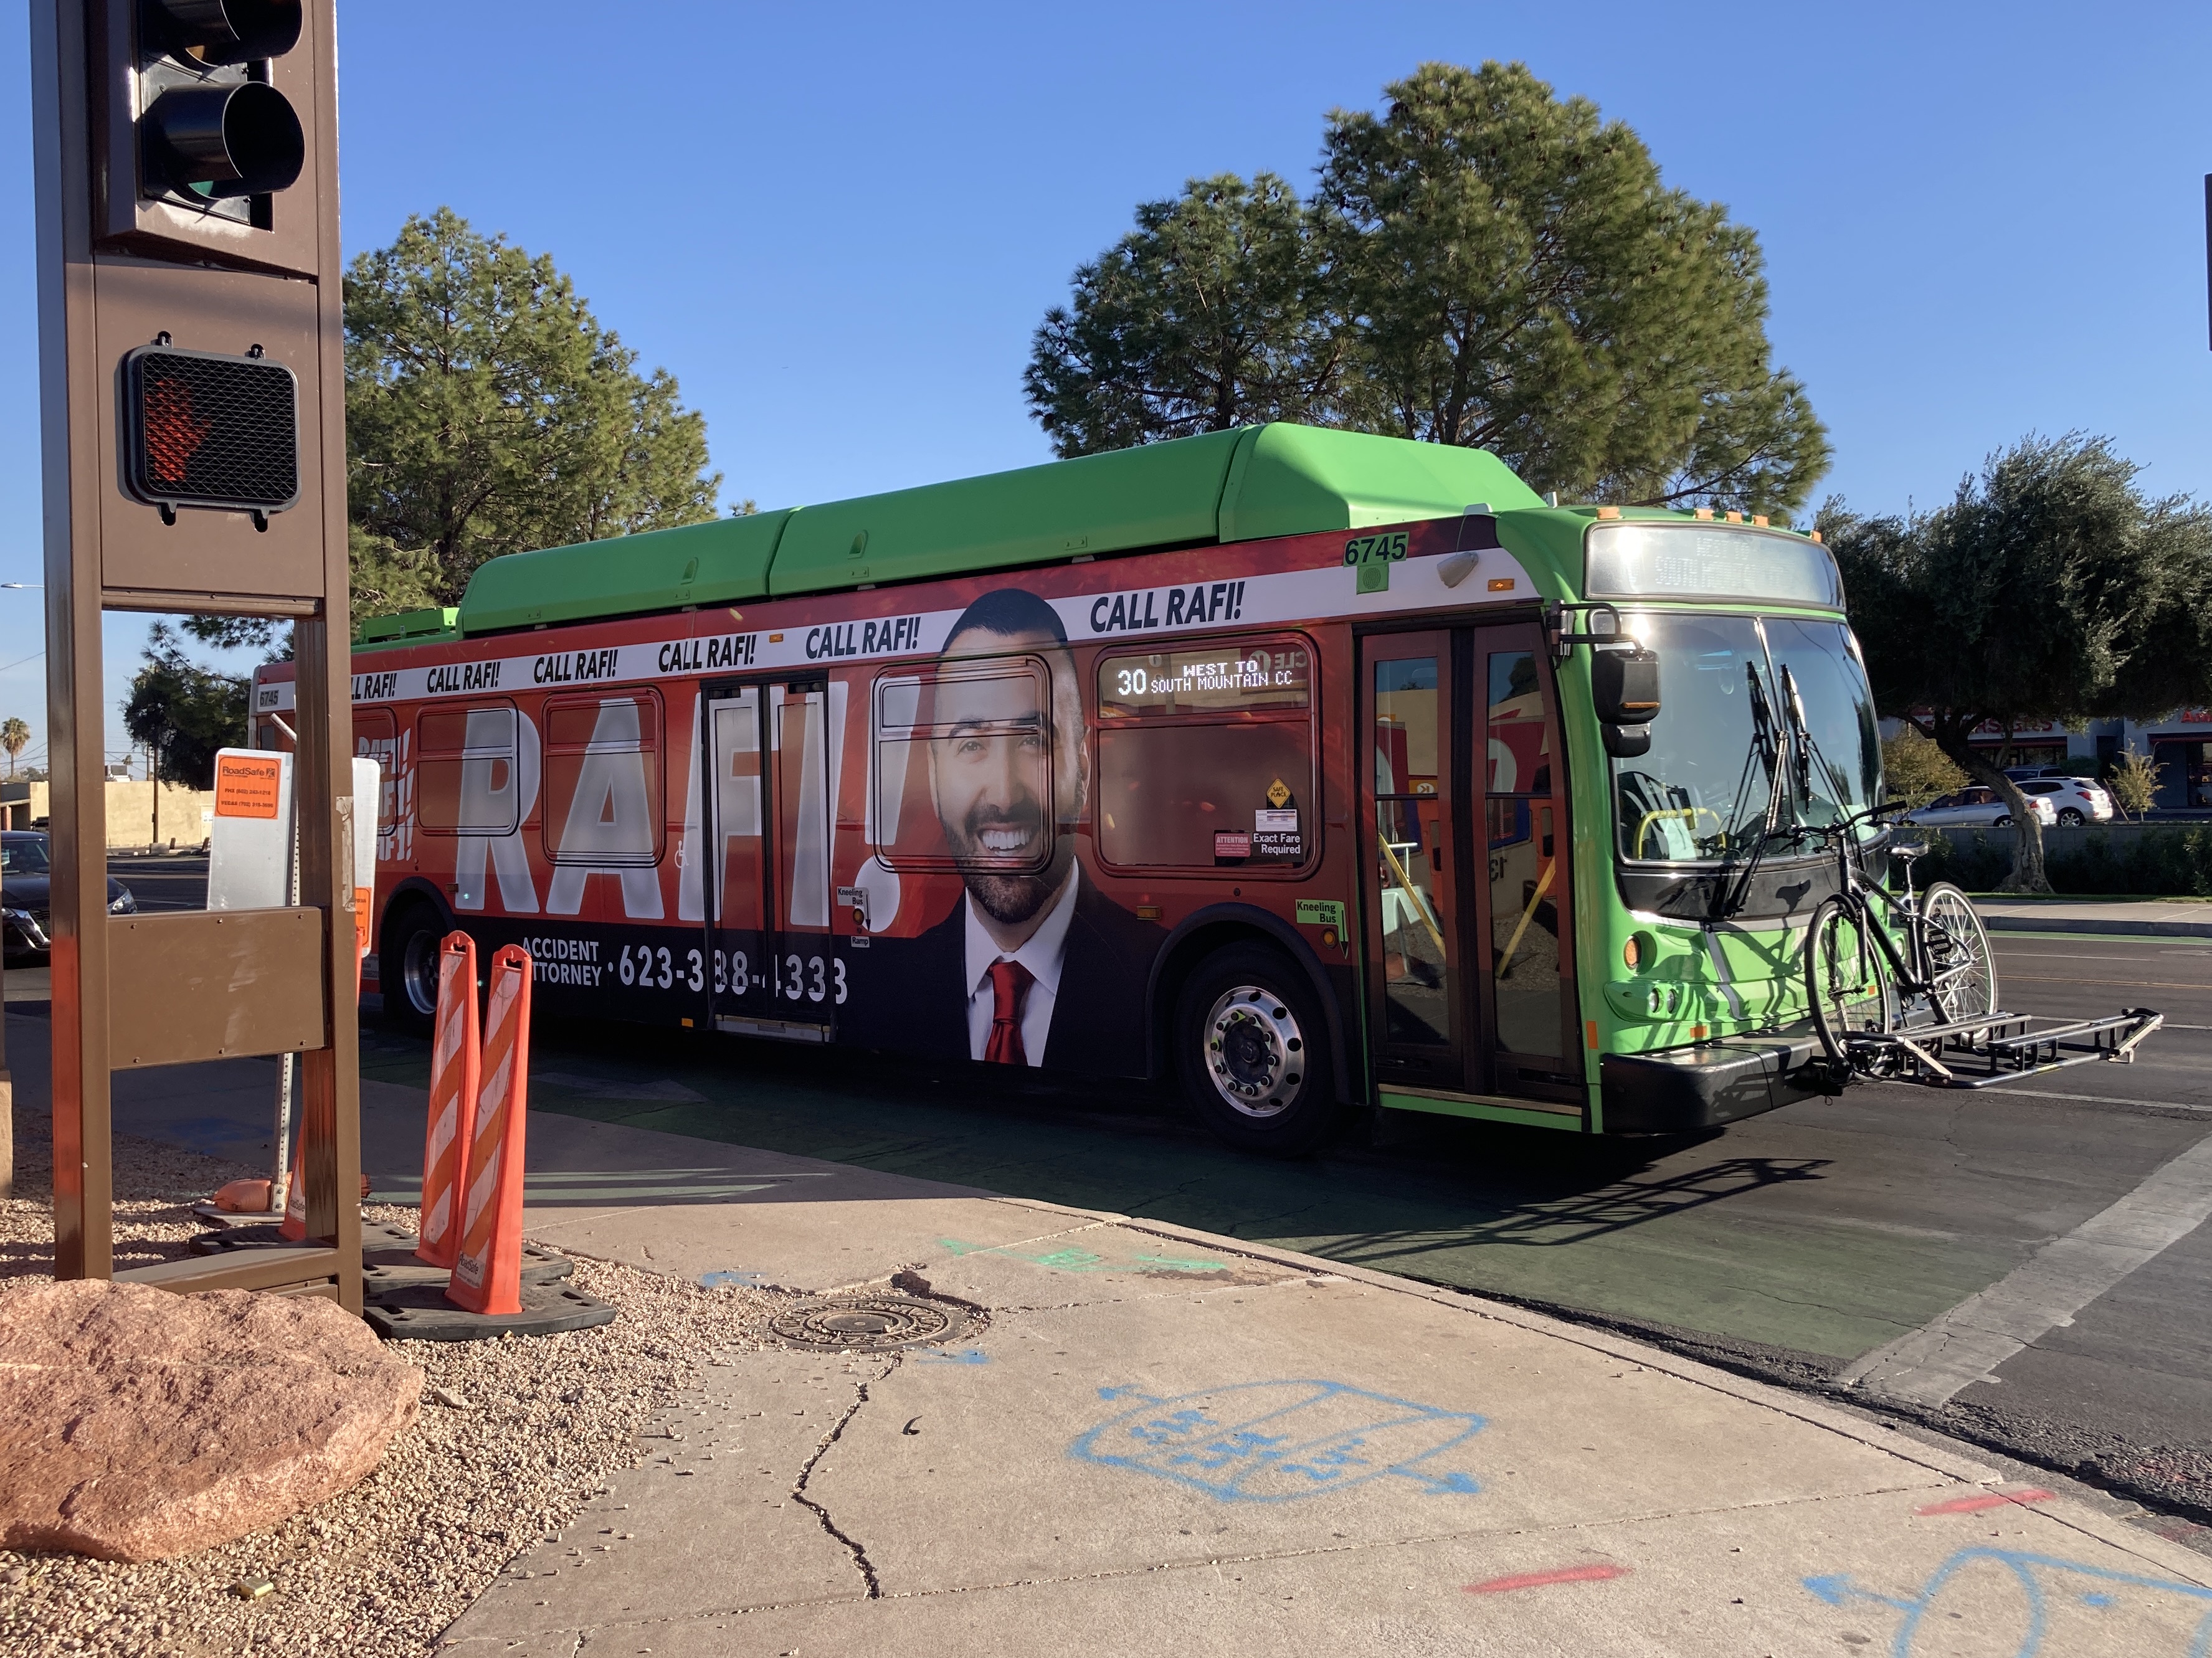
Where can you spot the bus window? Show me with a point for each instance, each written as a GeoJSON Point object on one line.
{"type": "Point", "coordinates": [964, 767]}
{"type": "Point", "coordinates": [375, 736]}
{"type": "Point", "coordinates": [1701, 789]}
{"type": "Point", "coordinates": [1412, 837]}
{"type": "Point", "coordinates": [1522, 809]}
{"type": "Point", "coordinates": [466, 777]}
{"type": "Point", "coordinates": [603, 780]}
{"type": "Point", "coordinates": [1206, 758]}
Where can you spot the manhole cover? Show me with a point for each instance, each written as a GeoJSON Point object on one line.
{"type": "Point", "coordinates": [866, 1323]}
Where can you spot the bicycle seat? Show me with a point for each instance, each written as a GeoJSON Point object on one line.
{"type": "Point", "coordinates": [1907, 850]}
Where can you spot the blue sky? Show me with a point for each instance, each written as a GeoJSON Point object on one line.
{"type": "Point", "coordinates": [838, 225]}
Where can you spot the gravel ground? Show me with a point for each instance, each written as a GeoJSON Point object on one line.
{"type": "Point", "coordinates": [514, 1435]}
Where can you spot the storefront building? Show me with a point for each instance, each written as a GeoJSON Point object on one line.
{"type": "Point", "coordinates": [2178, 744]}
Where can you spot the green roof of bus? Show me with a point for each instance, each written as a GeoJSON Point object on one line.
{"type": "Point", "coordinates": [384, 633]}
{"type": "Point", "coordinates": [1240, 485]}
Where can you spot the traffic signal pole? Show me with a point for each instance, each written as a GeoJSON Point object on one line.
{"type": "Point", "coordinates": [192, 392]}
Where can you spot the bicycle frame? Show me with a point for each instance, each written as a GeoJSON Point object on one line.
{"type": "Point", "coordinates": [1912, 969]}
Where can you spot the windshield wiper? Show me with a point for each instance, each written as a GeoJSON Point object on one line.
{"type": "Point", "coordinates": [1766, 750]}
{"type": "Point", "coordinates": [1807, 750]}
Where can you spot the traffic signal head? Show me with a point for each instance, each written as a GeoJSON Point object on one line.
{"type": "Point", "coordinates": [222, 140]}
{"type": "Point", "coordinates": [225, 31]}
{"type": "Point", "coordinates": [200, 136]}
{"type": "Point", "coordinates": [212, 131]}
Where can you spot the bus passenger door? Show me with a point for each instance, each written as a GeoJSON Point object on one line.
{"type": "Point", "coordinates": [1418, 997]}
{"type": "Point", "coordinates": [1471, 988]}
{"type": "Point", "coordinates": [769, 915]}
{"type": "Point", "coordinates": [1528, 1007]}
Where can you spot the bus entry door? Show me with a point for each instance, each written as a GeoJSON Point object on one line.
{"type": "Point", "coordinates": [1413, 896]}
{"type": "Point", "coordinates": [776, 973]}
{"type": "Point", "coordinates": [1468, 945]}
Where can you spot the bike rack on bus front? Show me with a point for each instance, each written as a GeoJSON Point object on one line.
{"type": "Point", "coordinates": [1995, 1049]}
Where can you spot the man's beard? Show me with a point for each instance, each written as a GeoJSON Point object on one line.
{"type": "Point", "coordinates": [1009, 899]}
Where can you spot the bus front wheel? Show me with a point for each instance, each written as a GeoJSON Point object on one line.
{"type": "Point", "coordinates": [1252, 1051]}
{"type": "Point", "coordinates": [407, 968]}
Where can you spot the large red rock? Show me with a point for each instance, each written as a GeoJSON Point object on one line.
{"type": "Point", "coordinates": [136, 1424]}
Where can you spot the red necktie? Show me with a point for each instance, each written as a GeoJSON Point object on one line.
{"type": "Point", "coordinates": [1010, 984]}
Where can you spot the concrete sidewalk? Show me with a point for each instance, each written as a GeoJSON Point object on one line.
{"type": "Point", "coordinates": [2165, 919]}
{"type": "Point", "coordinates": [1164, 1442]}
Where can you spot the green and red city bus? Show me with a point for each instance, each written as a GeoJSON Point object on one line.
{"type": "Point", "coordinates": [1295, 766]}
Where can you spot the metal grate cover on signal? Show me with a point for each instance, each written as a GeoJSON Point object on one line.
{"type": "Point", "coordinates": [204, 429]}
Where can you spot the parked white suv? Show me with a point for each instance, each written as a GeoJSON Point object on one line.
{"type": "Point", "coordinates": [1977, 807]}
{"type": "Point", "coordinates": [2077, 800]}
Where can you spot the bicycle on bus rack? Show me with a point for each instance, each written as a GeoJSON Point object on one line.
{"type": "Point", "coordinates": [1926, 1011]}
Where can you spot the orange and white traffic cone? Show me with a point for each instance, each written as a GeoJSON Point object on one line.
{"type": "Point", "coordinates": [488, 1275]}
{"type": "Point", "coordinates": [451, 1128]}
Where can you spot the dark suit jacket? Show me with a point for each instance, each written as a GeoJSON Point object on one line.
{"type": "Point", "coordinates": [917, 1001]}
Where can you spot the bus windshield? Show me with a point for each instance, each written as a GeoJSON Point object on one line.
{"type": "Point", "coordinates": [1702, 794]}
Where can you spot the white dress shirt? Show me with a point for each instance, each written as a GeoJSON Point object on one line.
{"type": "Point", "coordinates": [1042, 954]}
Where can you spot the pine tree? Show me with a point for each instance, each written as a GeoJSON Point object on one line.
{"type": "Point", "coordinates": [487, 412]}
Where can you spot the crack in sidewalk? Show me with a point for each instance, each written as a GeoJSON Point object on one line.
{"type": "Point", "coordinates": [851, 1545]}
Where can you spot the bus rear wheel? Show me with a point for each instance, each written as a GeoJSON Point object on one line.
{"type": "Point", "coordinates": [1252, 1051]}
{"type": "Point", "coordinates": [407, 968]}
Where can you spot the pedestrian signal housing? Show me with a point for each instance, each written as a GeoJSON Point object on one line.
{"type": "Point", "coordinates": [203, 430]}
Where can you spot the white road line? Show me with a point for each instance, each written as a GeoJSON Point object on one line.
{"type": "Point", "coordinates": [2004, 1091]}
{"type": "Point", "coordinates": [1932, 1363]}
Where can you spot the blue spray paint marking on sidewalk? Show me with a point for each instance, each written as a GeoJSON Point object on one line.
{"type": "Point", "coordinates": [1278, 1441]}
{"type": "Point", "coordinates": [965, 1355]}
{"type": "Point", "coordinates": [2059, 1605]}
{"type": "Point", "coordinates": [733, 1281]}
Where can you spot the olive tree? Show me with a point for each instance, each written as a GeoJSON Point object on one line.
{"type": "Point", "coordinates": [1480, 263]}
{"type": "Point", "coordinates": [2050, 587]}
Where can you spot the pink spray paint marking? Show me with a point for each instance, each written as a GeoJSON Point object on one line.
{"type": "Point", "coordinates": [1975, 1504]}
{"type": "Point", "coordinates": [1536, 1580]}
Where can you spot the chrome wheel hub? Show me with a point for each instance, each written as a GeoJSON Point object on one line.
{"type": "Point", "coordinates": [1255, 1052]}
{"type": "Point", "coordinates": [418, 973]}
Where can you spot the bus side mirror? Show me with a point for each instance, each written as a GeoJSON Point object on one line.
{"type": "Point", "coordinates": [1625, 686]}
{"type": "Point", "coordinates": [1626, 741]}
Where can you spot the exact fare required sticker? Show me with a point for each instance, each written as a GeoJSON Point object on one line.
{"type": "Point", "coordinates": [247, 786]}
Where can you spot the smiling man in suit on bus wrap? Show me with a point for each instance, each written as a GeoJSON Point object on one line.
{"type": "Point", "coordinates": [1034, 966]}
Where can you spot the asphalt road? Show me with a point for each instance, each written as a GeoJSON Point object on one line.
{"type": "Point", "coordinates": [164, 880]}
{"type": "Point", "coordinates": [1793, 1246]}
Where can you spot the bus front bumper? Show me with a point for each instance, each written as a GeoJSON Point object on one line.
{"type": "Point", "coordinates": [1694, 1088]}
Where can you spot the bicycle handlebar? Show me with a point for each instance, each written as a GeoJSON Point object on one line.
{"type": "Point", "coordinates": [1864, 815]}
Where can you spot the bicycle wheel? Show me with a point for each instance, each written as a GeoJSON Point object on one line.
{"type": "Point", "coordinates": [1961, 974]}
{"type": "Point", "coordinates": [1846, 980]}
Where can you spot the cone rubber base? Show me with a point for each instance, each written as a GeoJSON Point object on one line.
{"type": "Point", "coordinates": [387, 1256]}
{"type": "Point", "coordinates": [420, 1312]}
{"type": "Point", "coordinates": [236, 1218]}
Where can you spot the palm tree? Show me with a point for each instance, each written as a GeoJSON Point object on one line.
{"type": "Point", "coordinates": [14, 735]}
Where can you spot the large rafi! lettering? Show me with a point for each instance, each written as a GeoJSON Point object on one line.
{"type": "Point", "coordinates": [609, 828]}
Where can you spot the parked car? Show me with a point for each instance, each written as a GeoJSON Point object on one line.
{"type": "Point", "coordinates": [1977, 807]}
{"type": "Point", "coordinates": [25, 902]}
{"type": "Point", "coordinates": [2078, 799]}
